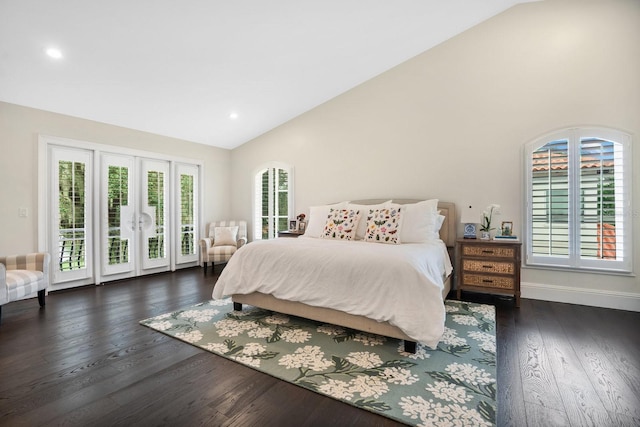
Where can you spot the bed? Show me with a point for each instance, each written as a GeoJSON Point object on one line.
{"type": "Point", "coordinates": [354, 284]}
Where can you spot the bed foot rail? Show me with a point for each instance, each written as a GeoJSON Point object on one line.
{"type": "Point", "coordinates": [238, 307]}
{"type": "Point", "coordinates": [409, 346]}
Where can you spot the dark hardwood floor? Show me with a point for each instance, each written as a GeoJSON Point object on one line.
{"type": "Point", "coordinates": [84, 360]}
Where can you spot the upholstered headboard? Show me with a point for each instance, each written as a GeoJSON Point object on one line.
{"type": "Point", "coordinates": [448, 209]}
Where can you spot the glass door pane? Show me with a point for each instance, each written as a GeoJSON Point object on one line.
{"type": "Point", "coordinates": [118, 219]}
{"type": "Point", "coordinates": [154, 217]}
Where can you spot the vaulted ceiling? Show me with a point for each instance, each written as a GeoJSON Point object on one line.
{"type": "Point", "coordinates": [208, 71]}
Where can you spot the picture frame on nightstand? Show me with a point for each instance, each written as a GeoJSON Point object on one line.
{"type": "Point", "coordinates": [507, 228]}
{"type": "Point", "coordinates": [506, 231]}
{"type": "Point", "coordinates": [293, 225]}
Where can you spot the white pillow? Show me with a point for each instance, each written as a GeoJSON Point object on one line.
{"type": "Point", "coordinates": [225, 236]}
{"type": "Point", "coordinates": [364, 214]}
{"type": "Point", "coordinates": [437, 226]}
{"type": "Point", "coordinates": [318, 218]}
{"type": "Point", "coordinates": [419, 222]}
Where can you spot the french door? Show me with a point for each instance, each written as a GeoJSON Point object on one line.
{"type": "Point", "coordinates": [111, 216]}
{"type": "Point", "coordinates": [71, 219]}
{"type": "Point", "coordinates": [187, 189]}
{"type": "Point", "coordinates": [135, 236]}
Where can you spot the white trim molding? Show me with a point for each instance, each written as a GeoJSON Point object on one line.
{"type": "Point", "coordinates": [591, 297]}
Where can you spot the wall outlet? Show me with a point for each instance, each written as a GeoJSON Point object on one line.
{"type": "Point", "coordinates": [23, 212]}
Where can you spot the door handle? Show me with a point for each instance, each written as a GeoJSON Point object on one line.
{"type": "Point", "coordinates": [144, 221]}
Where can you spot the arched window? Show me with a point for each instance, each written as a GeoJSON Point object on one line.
{"type": "Point", "coordinates": [578, 203]}
{"type": "Point", "coordinates": [273, 200]}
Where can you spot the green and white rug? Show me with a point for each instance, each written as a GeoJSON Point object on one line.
{"type": "Point", "coordinates": [452, 385]}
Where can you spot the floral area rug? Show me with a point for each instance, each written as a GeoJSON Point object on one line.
{"type": "Point", "coordinates": [454, 384]}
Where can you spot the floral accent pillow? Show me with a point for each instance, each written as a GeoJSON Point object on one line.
{"type": "Point", "coordinates": [341, 224]}
{"type": "Point", "coordinates": [383, 225]}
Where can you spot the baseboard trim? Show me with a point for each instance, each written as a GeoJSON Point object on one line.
{"type": "Point", "coordinates": [591, 297]}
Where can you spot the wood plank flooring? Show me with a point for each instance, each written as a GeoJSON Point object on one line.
{"type": "Point", "coordinates": [84, 360]}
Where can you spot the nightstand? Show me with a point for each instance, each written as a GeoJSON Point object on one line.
{"type": "Point", "coordinates": [488, 266]}
{"type": "Point", "coordinates": [290, 233]}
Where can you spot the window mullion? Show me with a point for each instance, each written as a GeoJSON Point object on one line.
{"type": "Point", "coordinates": [271, 233]}
{"type": "Point", "coordinates": [276, 200]}
{"type": "Point", "coordinates": [575, 204]}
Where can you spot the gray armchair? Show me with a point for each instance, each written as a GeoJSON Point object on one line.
{"type": "Point", "coordinates": [223, 239]}
{"type": "Point", "coordinates": [21, 276]}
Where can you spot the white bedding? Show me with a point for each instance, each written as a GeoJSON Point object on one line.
{"type": "Point", "coordinates": [401, 284]}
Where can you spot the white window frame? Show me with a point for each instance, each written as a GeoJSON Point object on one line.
{"type": "Point", "coordinates": [257, 198]}
{"type": "Point", "coordinates": [623, 214]}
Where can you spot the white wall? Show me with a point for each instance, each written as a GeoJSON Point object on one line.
{"type": "Point", "coordinates": [19, 129]}
{"type": "Point", "coordinates": [451, 123]}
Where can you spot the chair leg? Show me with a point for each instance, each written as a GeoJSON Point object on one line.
{"type": "Point", "coordinates": [0, 314]}
{"type": "Point", "coordinates": [204, 265]}
{"type": "Point", "coordinates": [41, 297]}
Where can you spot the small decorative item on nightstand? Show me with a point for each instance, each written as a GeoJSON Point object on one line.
{"type": "Point", "coordinates": [469, 219]}
{"type": "Point", "coordinates": [485, 224]}
{"type": "Point", "coordinates": [506, 232]}
{"type": "Point", "coordinates": [302, 225]}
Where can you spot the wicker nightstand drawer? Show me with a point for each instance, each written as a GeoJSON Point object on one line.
{"type": "Point", "coordinates": [487, 251]}
{"type": "Point", "coordinates": [488, 266]}
{"type": "Point", "coordinates": [487, 281]}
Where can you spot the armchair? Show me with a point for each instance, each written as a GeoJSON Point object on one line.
{"type": "Point", "coordinates": [223, 239]}
{"type": "Point", "coordinates": [23, 275]}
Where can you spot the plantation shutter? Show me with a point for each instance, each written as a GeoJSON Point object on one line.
{"type": "Point", "coordinates": [601, 186]}
{"type": "Point", "coordinates": [550, 199]}
{"type": "Point", "coordinates": [281, 199]}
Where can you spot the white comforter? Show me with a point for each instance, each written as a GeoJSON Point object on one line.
{"type": "Point", "coordinates": [401, 284]}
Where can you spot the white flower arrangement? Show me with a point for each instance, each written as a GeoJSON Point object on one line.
{"type": "Point", "coordinates": [487, 215]}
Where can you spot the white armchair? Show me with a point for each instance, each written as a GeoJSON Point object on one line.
{"type": "Point", "coordinates": [223, 239]}
{"type": "Point", "coordinates": [21, 276]}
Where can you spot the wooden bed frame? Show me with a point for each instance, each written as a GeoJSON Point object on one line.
{"type": "Point", "coordinates": [336, 317]}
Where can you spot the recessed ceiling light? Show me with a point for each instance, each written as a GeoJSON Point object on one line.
{"type": "Point", "coordinates": [233, 116]}
{"type": "Point", "coordinates": [54, 53]}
